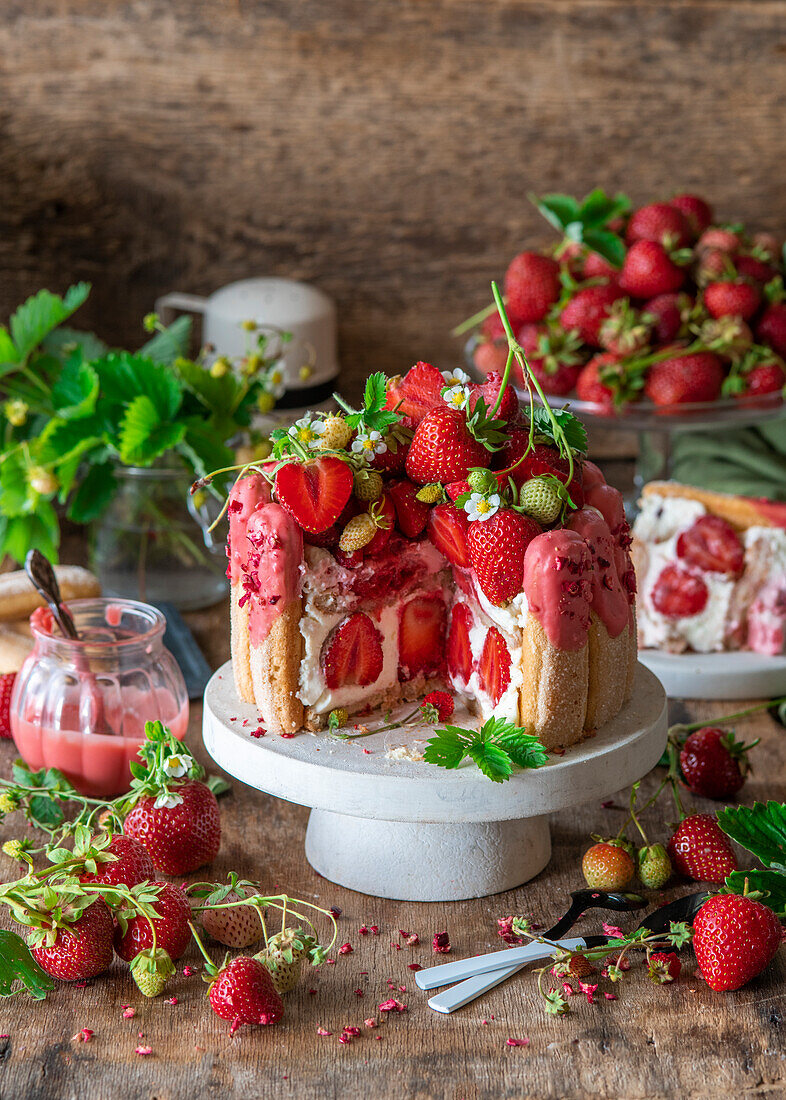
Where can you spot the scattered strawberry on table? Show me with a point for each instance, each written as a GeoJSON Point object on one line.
{"type": "Point", "coordinates": [659, 302]}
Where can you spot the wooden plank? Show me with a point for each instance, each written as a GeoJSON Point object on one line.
{"type": "Point", "coordinates": [680, 1041]}
{"type": "Point", "coordinates": [383, 151]}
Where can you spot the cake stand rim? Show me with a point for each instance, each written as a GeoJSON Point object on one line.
{"type": "Point", "coordinates": [276, 767]}
{"type": "Point", "coordinates": [728, 675]}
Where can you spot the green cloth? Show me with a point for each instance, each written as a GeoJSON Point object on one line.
{"type": "Point", "coordinates": [745, 461]}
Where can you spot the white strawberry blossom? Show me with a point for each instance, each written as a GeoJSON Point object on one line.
{"type": "Point", "coordinates": [369, 444]}
{"type": "Point", "coordinates": [456, 396]}
{"type": "Point", "coordinates": [480, 507]}
{"type": "Point", "coordinates": [307, 431]}
{"type": "Point", "coordinates": [176, 766]}
{"type": "Point", "coordinates": [168, 801]}
{"type": "Point", "coordinates": [274, 382]}
{"type": "Point", "coordinates": [455, 377]}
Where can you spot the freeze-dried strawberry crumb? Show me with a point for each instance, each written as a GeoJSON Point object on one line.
{"type": "Point", "coordinates": [412, 940]}
{"type": "Point", "coordinates": [397, 946]}
{"type": "Point", "coordinates": [441, 943]}
{"type": "Point", "coordinates": [323, 1031]}
{"type": "Point", "coordinates": [368, 752]}
{"type": "Point", "coordinates": [517, 1042]}
{"type": "Point", "coordinates": [610, 996]}
{"type": "Point", "coordinates": [402, 989]}
{"type": "Point", "coordinates": [258, 732]}
{"type": "Point", "coordinates": [287, 736]}
{"type": "Point", "coordinates": [374, 929]}
{"type": "Point", "coordinates": [363, 930]}
{"type": "Point", "coordinates": [330, 962]}
{"type": "Point", "coordinates": [370, 1022]}
{"type": "Point", "coordinates": [351, 1030]}
{"type": "Point", "coordinates": [414, 966]}
{"type": "Point", "coordinates": [171, 1001]}
{"type": "Point", "coordinates": [589, 990]}
{"type": "Point", "coordinates": [344, 1038]}
{"type": "Point", "coordinates": [189, 970]}
{"type": "Point", "coordinates": [334, 909]}
{"type": "Point", "coordinates": [312, 991]}
{"type": "Point", "coordinates": [379, 1037]}
{"type": "Point", "coordinates": [612, 930]}
{"type": "Point", "coordinates": [129, 1013]}
{"type": "Point", "coordinates": [392, 1006]}
{"type": "Point", "coordinates": [143, 1050]}
{"type": "Point", "coordinates": [359, 993]}
{"type": "Point", "coordinates": [345, 949]}
{"type": "Point", "coordinates": [83, 1036]}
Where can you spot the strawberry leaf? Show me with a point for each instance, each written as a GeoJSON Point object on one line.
{"type": "Point", "coordinates": [558, 210]}
{"type": "Point", "coordinates": [144, 434]}
{"type": "Point", "coordinates": [493, 761]}
{"type": "Point", "coordinates": [598, 208]}
{"type": "Point", "coordinates": [41, 313]}
{"type": "Point", "coordinates": [575, 432]}
{"type": "Point", "coordinates": [17, 965]}
{"type": "Point", "coordinates": [606, 244]}
{"type": "Point", "coordinates": [75, 392]}
{"type": "Point", "coordinates": [769, 883]}
{"type": "Point", "coordinates": [759, 828]}
{"type": "Point", "coordinates": [166, 346]}
{"type": "Point", "coordinates": [524, 749]}
{"type": "Point", "coordinates": [448, 747]}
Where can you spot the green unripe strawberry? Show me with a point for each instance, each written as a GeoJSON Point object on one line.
{"type": "Point", "coordinates": [541, 499]}
{"type": "Point", "coordinates": [367, 485]}
{"type": "Point", "coordinates": [430, 493]}
{"type": "Point", "coordinates": [482, 481]}
{"type": "Point", "coordinates": [284, 956]}
{"type": "Point", "coordinates": [654, 866]}
{"type": "Point", "coordinates": [337, 718]}
{"type": "Point", "coordinates": [151, 970]}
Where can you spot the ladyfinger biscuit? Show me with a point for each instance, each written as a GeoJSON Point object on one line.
{"type": "Point", "coordinates": [553, 697]}
{"type": "Point", "coordinates": [18, 598]}
{"type": "Point", "coordinates": [275, 671]}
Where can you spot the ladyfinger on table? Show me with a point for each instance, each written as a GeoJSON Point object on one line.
{"type": "Point", "coordinates": [18, 598]}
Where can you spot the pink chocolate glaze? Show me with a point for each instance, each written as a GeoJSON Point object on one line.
{"type": "Point", "coordinates": [272, 574]}
{"type": "Point", "coordinates": [609, 599]}
{"type": "Point", "coordinates": [557, 586]}
{"type": "Point", "coordinates": [592, 475]}
{"type": "Point", "coordinates": [608, 501]}
{"type": "Point", "coordinates": [247, 495]}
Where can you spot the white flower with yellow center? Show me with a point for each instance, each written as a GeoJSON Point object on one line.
{"type": "Point", "coordinates": [176, 766]}
{"type": "Point", "coordinates": [480, 507]}
{"type": "Point", "coordinates": [369, 444]}
{"type": "Point", "coordinates": [274, 382]}
{"type": "Point", "coordinates": [168, 801]}
{"type": "Point", "coordinates": [307, 431]}
{"type": "Point", "coordinates": [456, 397]}
{"type": "Point", "coordinates": [455, 377]}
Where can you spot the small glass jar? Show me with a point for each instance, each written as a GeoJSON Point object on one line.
{"type": "Point", "coordinates": [81, 706]}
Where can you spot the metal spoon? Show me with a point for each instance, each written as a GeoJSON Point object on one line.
{"type": "Point", "coordinates": [40, 571]}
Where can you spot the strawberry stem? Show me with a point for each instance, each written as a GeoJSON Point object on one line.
{"type": "Point", "coordinates": [211, 966]}
{"type": "Point", "coordinates": [475, 319]}
{"type": "Point", "coordinates": [680, 728]}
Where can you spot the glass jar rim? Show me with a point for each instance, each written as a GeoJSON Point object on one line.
{"type": "Point", "coordinates": [154, 617]}
{"type": "Point", "coordinates": [153, 473]}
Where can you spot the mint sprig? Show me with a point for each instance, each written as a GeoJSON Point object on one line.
{"type": "Point", "coordinates": [496, 748]}
{"type": "Point", "coordinates": [761, 829]}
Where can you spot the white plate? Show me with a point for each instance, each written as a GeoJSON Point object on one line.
{"type": "Point", "coordinates": [717, 675]}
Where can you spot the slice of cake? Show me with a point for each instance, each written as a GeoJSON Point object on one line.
{"type": "Point", "coordinates": [434, 538]}
{"type": "Point", "coordinates": [711, 570]}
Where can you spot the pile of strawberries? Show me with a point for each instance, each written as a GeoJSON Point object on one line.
{"type": "Point", "coordinates": [660, 303]}
{"type": "Point", "coordinates": [431, 455]}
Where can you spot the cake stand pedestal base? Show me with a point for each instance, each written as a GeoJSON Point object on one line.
{"type": "Point", "coordinates": [426, 862]}
{"type": "Point", "coordinates": [385, 823]}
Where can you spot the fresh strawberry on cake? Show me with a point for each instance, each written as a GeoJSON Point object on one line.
{"type": "Point", "coordinates": [441, 536]}
{"type": "Point", "coordinates": [711, 569]}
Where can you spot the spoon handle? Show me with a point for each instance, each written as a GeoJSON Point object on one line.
{"type": "Point", "coordinates": [40, 571]}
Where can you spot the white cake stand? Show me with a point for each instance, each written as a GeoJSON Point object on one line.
{"type": "Point", "coordinates": [404, 829]}
{"type": "Point", "coordinates": [717, 675]}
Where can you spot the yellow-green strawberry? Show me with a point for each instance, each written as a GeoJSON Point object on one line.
{"type": "Point", "coordinates": [540, 497]}
{"type": "Point", "coordinates": [358, 533]}
{"type": "Point", "coordinates": [284, 956]}
{"type": "Point", "coordinates": [654, 866]}
{"type": "Point", "coordinates": [336, 435]}
{"type": "Point", "coordinates": [151, 970]}
{"type": "Point", "coordinates": [367, 484]}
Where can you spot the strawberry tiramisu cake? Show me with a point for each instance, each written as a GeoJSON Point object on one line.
{"type": "Point", "coordinates": [440, 536]}
{"type": "Point", "coordinates": [711, 570]}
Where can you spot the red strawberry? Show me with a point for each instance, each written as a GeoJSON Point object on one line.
{"type": "Point", "coordinates": [767, 245]}
{"type": "Point", "coordinates": [595, 267]}
{"type": "Point", "coordinates": [6, 687]}
{"type": "Point", "coordinates": [764, 378]}
{"type": "Point", "coordinates": [588, 309]}
{"type": "Point", "coordinates": [459, 649]}
{"type": "Point", "coordinates": [713, 264]}
{"type": "Point", "coordinates": [713, 545]}
{"type": "Point", "coordinates": [696, 212]}
{"type": "Point", "coordinates": [698, 849]}
{"type": "Point", "coordinates": [171, 924]}
{"type": "Point", "coordinates": [411, 514]}
{"type": "Point", "coordinates": [493, 328]}
{"type": "Point", "coordinates": [751, 267]}
{"type": "Point", "coordinates": [132, 866]}
{"type": "Point", "coordinates": [685, 378]}
{"type": "Point", "coordinates": [243, 992]}
{"type": "Point", "coordinates": [382, 537]}
{"type": "Point", "coordinates": [677, 594]}
{"type": "Point", "coordinates": [715, 237]}
{"type": "Point", "coordinates": [557, 380]}
{"type": "Point", "coordinates": [489, 391]}
{"type": "Point", "coordinates": [421, 637]}
{"type": "Point", "coordinates": [648, 271]}
{"type": "Point", "coordinates": [542, 459]}
{"type": "Point", "coordinates": [734, 939]}
{"type": "Point", "coordinates": [554, 356]}
{"type": "Point", "coordinates": [732, 299]}
{"type": "Point", "coordinates": [315, 492]}
{"type": "Point", "coordinates": [532, 286]}
{"type": "Point", "coordinates": [179, 838]}
{"type": "Point", "coordinates": [418, 391]}
{"type": "Point", "coordinates": [447, 530]}
{"type": "Point", "coordinates": [607, 867]}
{"type": "Point", "coordinates": [661, 222]}
{"type": "Point", "coordinates": [714, 763]}
{"type": "Point", "coordinates": [625, 331]}
{"type": "Point", "coordinates": [668, 310]}
{"type": "Point", "coordinates": [665, 966]}
{"type": "Point", "coordinates": [589, 386]}
{"type": "Point", "coordinates": [496, 552]}
{"type": "Point", "coordinates": [494, 666]}
{"type": "Point", "coordinates": [238, 926]}
{"type": "Point", "coordinates": [442, 448]}
{"type": "Point", "coordinates": [771, 329]}
{"type": "Point", "coordinates": [490, 357]}
{"type": "Point", "coordinates": [352, 652]}
{"type": "Point", "coordinates": [83, 950]}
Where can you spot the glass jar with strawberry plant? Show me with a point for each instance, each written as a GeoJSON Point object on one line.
{"type": "Point", "coordinates": [112, 439]}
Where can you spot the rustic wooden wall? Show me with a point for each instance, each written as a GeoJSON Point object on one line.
{"type": "Point", "coordinates": [381, 148]}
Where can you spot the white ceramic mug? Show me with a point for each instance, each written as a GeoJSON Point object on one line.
{"type": "Point", "coordinates": [284, 304]}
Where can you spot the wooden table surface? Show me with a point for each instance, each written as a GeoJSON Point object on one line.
{"type": "Point", "coordinates": [673, 1041]}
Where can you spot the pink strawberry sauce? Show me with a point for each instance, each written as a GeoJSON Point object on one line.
{"type": "Point", "coordinates": [556, 584]}
{"type": "Point", "coordinates": [609, 600]}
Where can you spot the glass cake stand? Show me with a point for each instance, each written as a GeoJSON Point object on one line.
{"type": "Point", "coordinates": [400, 828]}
